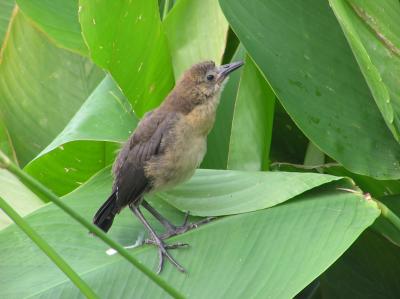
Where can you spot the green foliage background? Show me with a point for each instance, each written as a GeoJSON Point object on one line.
{"type": "Point", "coordinates": [302, 168]}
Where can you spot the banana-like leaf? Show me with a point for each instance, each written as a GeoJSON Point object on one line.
{"type": "Point", "coordinates": [369, 269]}
{"type": "Point", "coordinates": [275, 251]}
{"type": "Point", "coordinates": [252, 120]}
{"type": "Point", "coordinates": [41, 88]}
{"type": "Point", "coordinates": [219, 192]}
{"type": "Point", "coordinates": [373, 31]}
{"type": "Point", "coordinates": [16, 195]}
{"type": "Point", "coordinates": [196, 31]}
{"type": "Point", "coordinates": [6, 7]}
{"type": "Point", "coordinates": [301, 49]}
{"type": "Point", "coordinates": [127, 38]}
{"type": "Point", "coordinates": [89, 141]}
{"type": "Point", "coordinates": [59, 20]}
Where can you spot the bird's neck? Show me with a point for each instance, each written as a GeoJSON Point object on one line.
{"type": "Point", "coordinates": [198, 108]}
{"type": "Point", "coordinates": [202, 117]}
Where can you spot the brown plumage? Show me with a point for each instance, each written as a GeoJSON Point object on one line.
{"type": "Point", "coordinates": [167, 146]}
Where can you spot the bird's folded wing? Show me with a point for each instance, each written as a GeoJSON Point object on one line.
{"type": "Point", "coordinates": [130, 178]}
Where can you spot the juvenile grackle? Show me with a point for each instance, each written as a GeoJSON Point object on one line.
{"type": "Point", "coordinates": [167, 146]}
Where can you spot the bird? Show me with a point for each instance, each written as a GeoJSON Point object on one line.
{"type": "Point", "coordinates": [164, 150]}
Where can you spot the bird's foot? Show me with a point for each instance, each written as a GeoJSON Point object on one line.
{"type": "Point", "coordinates": [186, 226]}
{"type": "Point", "coordinates": [172, 230]}
{"type": "Point", "coordinates": [163, 252]}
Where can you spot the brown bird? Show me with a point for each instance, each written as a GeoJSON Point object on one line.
{"type": "Point", "coordinates": [167, 146]}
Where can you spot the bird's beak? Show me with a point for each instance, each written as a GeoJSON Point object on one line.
{"type": "Point", "coordinates": [226, 69]}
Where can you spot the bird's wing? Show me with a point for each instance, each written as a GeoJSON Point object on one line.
{"type": "Point", "coordinates": [130, 179]}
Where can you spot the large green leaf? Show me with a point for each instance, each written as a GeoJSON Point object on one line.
{"type": "Point", "coordinates": [126, 38]}
{"type": "Point", "coordinates": [218, 192]}
{"type": "Point", "coordinates": [105, 115]}
{"type": "Point", "coordinates": [251, 133]}
{"type": "Point", "coordinates": [16, 195]}
{"type": "Point", "coordinates": [369, 269]}
{"type": "Point", "coordinates": [6, 7]}
{"type": "Point", "coordinates": [275, 251]}
{"type": "Point", "coordinates": [58, 19]}
{"type": "Point", "coordinates": [303, 53]}
{"type": "Point", "coordinates": [373, 31]}
{"type": "Point", "coordinates": [196, 31]}
{"type": "Point", "coordinates": [89, 141]}
{"type": "Point", "coordinates": [41, 87]}
{"type": "Point", "coordinates": [70, 165]}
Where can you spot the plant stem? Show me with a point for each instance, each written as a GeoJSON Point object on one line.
{"type": "Point", "coordinates": [47, 249]}
{"type": "Point", "coordinates": [388, 214]}
{"type": "Point", "coordinates": [166, 9]}
{"type": "Point", "coordinates": [36, 186]}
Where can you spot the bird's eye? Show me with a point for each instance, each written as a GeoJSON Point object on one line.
{"type": "Point", "coordinates": [210, 77]}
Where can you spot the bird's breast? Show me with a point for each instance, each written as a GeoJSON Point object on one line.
{"type": "Point", "coordinates": [183, 151]}
{"type": "Point", "coordinates": [183, 148]}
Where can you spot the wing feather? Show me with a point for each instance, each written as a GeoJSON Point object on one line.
{"type": "Point", "coordinates": [130, 179]}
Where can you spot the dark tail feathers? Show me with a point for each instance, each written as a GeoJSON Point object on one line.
{"type": "Point", "coordinates": [105, 215]}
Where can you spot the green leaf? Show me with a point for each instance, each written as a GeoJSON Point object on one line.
{"type": "Point", "coordinates": [315, 76]}
{"type": "Point", "coordinates": [89, 141]}
{"type": "Point", "coordinates": [369, 269]}
{"type": "Point", "coordinates": [106, 115]}
{"type": "Point", "coordinates": [377, 188]}
{"type": "Point", "coordinates": [276, 251]}
{"type": "Point", "coordinates": [196, 31]}
{"type": "Point", "coordinates": [126, 38]}
{"type": "Point", "coordinates": [373, 31]}
{"type": "Point", "coordinates": [6, 7]}
{"type": "Point", "coordinates": [218, 139]}
{"type": "Point", "coordinates": [70, 165]}
{"type": "Point", "coordinates": [217, 192]}
{"type": "Point", "coordinates": [16, 195]}
{"type": "Point", "coordinates": [251, 132]}
{"type": "Point", "coordinates": [48, 250]}
{"type": "Point", "coordinates": [58, 19]}
{"type": "Point", "coordinates": [41, 87]}
{"type": "Point", "coordinates": [6, 11]}
{"type": "Point", "coordinates": [6, 145]}
{"type": "Point", "coordinates": [46, 194]}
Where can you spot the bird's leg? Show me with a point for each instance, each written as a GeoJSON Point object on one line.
{"type": "Point", "coordinates": [164, 221]}
{"type": "Point", "coordinates": [162, 248]}
{"type": "Point", "coordinates": [172, 230]}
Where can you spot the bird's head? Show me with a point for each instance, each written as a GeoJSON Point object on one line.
{"type": "Point", "coordinates": [199, 85]}
{"type": "Point", "coordinates": [207, 78]}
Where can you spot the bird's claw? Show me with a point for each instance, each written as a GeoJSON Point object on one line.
{"type": "Point", "coordinates": [173, 231]}
{"type": "Point", "coordinates": [167, 246]}
{"type": "Point", "coordinates": [163, 253]}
